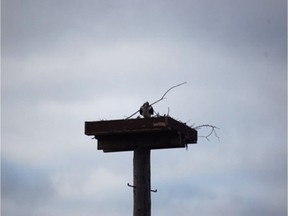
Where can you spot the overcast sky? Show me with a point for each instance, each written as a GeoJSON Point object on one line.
{"type": "Point", "coordinates": [67, 62]}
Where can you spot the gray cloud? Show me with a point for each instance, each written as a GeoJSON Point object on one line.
{"type": "Point", "coordinates": [24, 189]}
{"type": "Point", "coordinates": [233, 24]}
{"type": "Point", "coordinates": [65, 62]}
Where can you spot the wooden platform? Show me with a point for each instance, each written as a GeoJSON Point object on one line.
{"type": "Point", "coordinates": [129, 134]}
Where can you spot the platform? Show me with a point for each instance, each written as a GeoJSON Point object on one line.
{"type": "Point", "coordinates": [129, 134]}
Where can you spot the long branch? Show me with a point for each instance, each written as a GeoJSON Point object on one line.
{"type": "Point", "coordinates": [211, 132]}
{"type": "Point", "coordinates": [167, 92]}
{"type": "Point", "coordinates": [159, 99]}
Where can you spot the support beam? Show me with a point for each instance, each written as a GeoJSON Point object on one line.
{"type": "Point", "coordinates": [129, 134]}
{"type": "Point", "coordinates": [142, 182]}
{"type": "Point", "coordinates": [141, 135]}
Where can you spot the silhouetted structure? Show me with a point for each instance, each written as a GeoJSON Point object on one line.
{"type": "Point", "coordinates": [141, 135]}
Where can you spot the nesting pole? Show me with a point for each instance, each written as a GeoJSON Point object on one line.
{"type": "Point", "coordinates": [141, 136]}
{"type": "Point", "coordinates": [142, 182]}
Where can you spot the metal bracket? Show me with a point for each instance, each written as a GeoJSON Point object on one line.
{"type": "Point", "coordinates": [154, 191]}
{"type": "Point", "coordinates": [129, 185]}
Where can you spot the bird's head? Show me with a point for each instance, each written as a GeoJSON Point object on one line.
{"type": "Point", "coordinates": [146, 104]}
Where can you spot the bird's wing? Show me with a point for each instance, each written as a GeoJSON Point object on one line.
{"type": "Point", "coordinates": [151, 110]}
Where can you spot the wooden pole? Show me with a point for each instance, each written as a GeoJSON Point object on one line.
{"type": "Point", "coordinates": [142, 182]}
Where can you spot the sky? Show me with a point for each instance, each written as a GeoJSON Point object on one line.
{"type": "Point", "coordinates": [66, 62]}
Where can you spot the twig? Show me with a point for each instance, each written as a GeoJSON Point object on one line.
{"type": "Point", "coordinates": [162, 98]}
{"type": "Point", "coordinates": [213, 130]}
{"type": "Point", "coordinates": [132, 114]}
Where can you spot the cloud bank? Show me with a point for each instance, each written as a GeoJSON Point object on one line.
{"type": "Point", "coordinates": [67, 62]}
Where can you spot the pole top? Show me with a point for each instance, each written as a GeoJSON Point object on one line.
{"type": "Point", "coordinates": [128, 134]}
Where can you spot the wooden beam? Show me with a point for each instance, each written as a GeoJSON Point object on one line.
{"type": "Point", "coordinates": [153, 133]}
{"type": "Point", "coordinates": [142, 182]}
{"type": "Point", "coordinates": [151, 141]}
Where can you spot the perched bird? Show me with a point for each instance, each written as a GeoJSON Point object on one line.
{"type": "Point", "coordinates": [146, 110]}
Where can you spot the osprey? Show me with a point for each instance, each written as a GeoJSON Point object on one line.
{"type": "Point", "coordinates": [146, 110]}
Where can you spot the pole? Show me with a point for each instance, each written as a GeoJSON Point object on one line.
{"type": "Point", "coordinates": [142, 182]}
